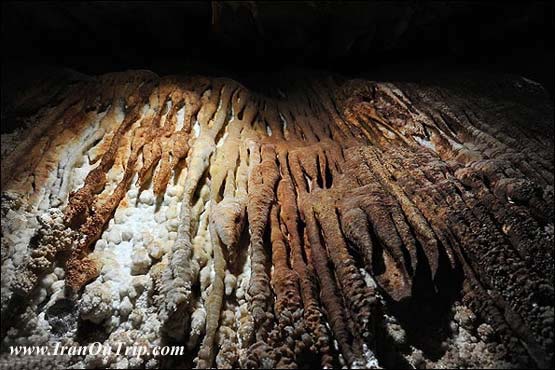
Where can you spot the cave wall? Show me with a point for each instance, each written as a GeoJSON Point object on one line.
{"type": "Point", "coordinates": [329, 222]}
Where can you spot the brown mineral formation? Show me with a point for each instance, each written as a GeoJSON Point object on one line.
{"type": "Point", "coordinates": [330, 223]}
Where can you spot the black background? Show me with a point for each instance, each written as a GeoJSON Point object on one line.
{"type": "Point", "coordinates": [249, 41]}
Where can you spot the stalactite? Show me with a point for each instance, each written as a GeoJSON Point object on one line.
{"type": "Point", "coordinates": [335, 223]}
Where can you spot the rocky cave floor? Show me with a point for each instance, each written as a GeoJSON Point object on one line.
{"type": "Point", "coordinates": [325, 223]}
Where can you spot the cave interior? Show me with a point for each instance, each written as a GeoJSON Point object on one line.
{"type": "Point", "coordinates": [279, 184]}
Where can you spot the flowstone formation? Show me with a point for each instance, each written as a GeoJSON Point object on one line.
{"type": "Point", "coordinates": [325, 223]}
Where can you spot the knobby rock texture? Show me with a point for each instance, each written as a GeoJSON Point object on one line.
{"type": "Point", "coordinates": [325, 223]}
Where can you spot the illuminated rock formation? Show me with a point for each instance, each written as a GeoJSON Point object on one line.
{"type": "Point", "coordinates": [331, 223]}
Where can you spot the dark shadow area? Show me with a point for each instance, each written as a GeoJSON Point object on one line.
{"type": "Point", "coordinates": [427, 314]}
{"type": "Point", "coordinates": [89, 332]}
{"type": "Point", "coordinates": [62, 317]}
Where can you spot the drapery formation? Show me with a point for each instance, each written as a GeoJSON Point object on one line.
{"type": "Point", "coordinates": [331, 223]}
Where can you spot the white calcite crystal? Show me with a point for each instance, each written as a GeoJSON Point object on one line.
{"type": "Point", "coordinates": [140, 261]}
{"type": "Point", "coordinates": [147, 197]}
{"type": "Point", "coordinates": [97, 302]}
{"type": "Point", "coordinates": [125, 307]}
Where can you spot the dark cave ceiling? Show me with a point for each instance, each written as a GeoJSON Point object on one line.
{"type": "Point", "coordinates": [250, 41]}
{"type": "Point", "coordinates": [338, 35]}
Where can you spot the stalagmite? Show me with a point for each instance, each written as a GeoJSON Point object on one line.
{"type": "Point", "coordinates": [323, 223]}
